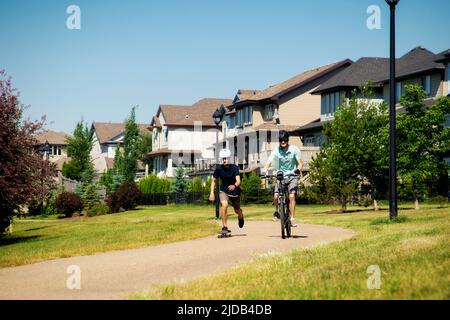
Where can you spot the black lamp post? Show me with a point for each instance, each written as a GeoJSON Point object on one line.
{"type": "Point", "coordinates": [217, 117]}
{"type": "Point", "coordinates": [46, 150]}
{"type": "Point", "coordinates": [392, 100]}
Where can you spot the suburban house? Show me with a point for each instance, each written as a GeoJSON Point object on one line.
{"type": "Point", "coordinates": [107, 138]}
{"type": "Point", "coordinates": [254, 117]}
{"type": "Point", "coordinates": [417, 66]}
{"type": "Point", "coordinates": [183, 134]}
{"type": "Point", "coordinates": [57, 147]}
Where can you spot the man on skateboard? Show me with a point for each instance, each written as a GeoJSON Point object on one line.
{"type": "Point", "coordinates": [229, 188]}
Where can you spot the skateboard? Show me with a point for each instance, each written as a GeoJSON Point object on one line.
{"type": "Point", "coordinates": [224, 234]}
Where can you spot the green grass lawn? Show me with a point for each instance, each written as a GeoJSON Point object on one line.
{"type": "Point", "coordinates": [39, 239]}
{"type": "Point", "coordinates": [412, 253]}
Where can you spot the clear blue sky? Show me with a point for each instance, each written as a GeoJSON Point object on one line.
{"type": "Point", "coordinates": [148, 53]}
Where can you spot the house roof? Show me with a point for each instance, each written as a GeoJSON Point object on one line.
{"type": "Point", "coordinates": [296, 81]}
{"type": "Point", "coordinates": [155, 122]}
{"type": "Point", "coordinates": [443, 57]}
{"type": "Point", "coordinates": [184, 115]}
{"type": "Point", "coordinates": [356, 75]}
{"type": "Point", "coordinates": [53, 137]}
{"type": "Point", "coordinates": [312, 126]}
{"type": "Point", "coordinates": [244, 94]}
{"type": "Point", "coordinates": [416, 61]}
{"type": "Point", "coordinates": [106, 130]}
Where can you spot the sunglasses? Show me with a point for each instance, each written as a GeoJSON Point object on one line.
{"type": "Point", "coordinates": [284, 141]}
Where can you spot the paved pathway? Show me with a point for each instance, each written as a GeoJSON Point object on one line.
{"type": "Point", "coordinates": [117, 274]}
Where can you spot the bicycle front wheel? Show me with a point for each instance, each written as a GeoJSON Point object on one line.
{"type": "Point", "coordinates": [282, 209]}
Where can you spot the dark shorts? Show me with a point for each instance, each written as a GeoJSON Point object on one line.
{"type": "Point", "coordinates": [235, 201]}
{"type": "Point", "coordinates": [292, 183]}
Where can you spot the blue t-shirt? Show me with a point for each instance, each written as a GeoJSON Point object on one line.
{"type": "Point", "coordinates": [286, 161]}
{"type": "Point", "coordinates": [227, 177]}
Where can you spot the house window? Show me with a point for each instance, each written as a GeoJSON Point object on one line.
{"type": "Point", "coordinates": [155, 137]}
{"type": "Point", "coordinates": [239, 121]}
{"type": "Point", "coordinates": [327, 104]}
{"type": "Point", "coordinates": [268, 112]}
{"type": "Point", "coordinates": [336, 101]}
{"type": "Point", "coordinates": [426, 84]}
{"type": "Point", "coordinates": [248, 115]}
{"type": "Point", "coordinates": [310, 140]}
{"type": "Point", "coordinates": [398, 92]}
{"type": "Point", "coordinates": [56, 150]}
{"type": "Point", "coordinates": [165, 134]}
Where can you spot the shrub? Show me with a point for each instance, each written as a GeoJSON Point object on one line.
{"type": "Point", "coordinates": [113, 202]}
{"type": "Point", "coordinates": [68, 203]}
{"type": "Point", "coordinates": [126, 197]}
{"type": "Point", "coordinates": [129, 195]}
{"type": "Point", "coordinates": [97, 209]}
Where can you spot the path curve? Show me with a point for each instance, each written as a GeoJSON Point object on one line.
{"type": "Point", "coordinates": [117, 274]}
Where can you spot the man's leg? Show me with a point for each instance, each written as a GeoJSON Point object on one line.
{"type": "Point", "coordinates": [224, 212]}
{"type": "Point", "coordinates": [292, 204]}
{"type": "Point", "coordinates": [275, 201]}
{"type": "Point", "coordinates": [237, 209]}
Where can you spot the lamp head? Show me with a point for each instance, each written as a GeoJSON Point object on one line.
{"type": "Point", "coordinates": [392, 2]}
{"type": "Point", "coordinates": [217, 117]}
{"type": "Point", "coordinates": [46, 146]}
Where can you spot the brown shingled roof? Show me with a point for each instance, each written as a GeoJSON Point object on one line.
{"type": "Point", "coordinates": [53, 137]}
{"type": "Point", "coordinates": [298, 80]}
{"type": "Point", "coordinates": [106, 131]}
{"type": "Point", "coordinates": [202, 110]}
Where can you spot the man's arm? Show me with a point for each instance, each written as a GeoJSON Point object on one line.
{"type": "Point", "coordinates": [269, 162]}
{"type": "Point", "coordinates": [213, 184]}
{"type": "Point", "coordinates": [299, 162]}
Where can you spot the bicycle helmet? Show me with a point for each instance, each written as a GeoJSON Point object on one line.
{"type": "Point", "coordinates": [224, 153]}
{"type": "Point", "coordinates": [283, 135]}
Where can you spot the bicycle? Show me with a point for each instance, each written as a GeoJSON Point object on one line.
{"type": "Point", "coordinates": [283, 202]}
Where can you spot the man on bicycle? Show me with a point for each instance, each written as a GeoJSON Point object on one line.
{"type": "Point", "coordinates": [229, 188]}
{"type": "Point", "coordinates": [287, 159]}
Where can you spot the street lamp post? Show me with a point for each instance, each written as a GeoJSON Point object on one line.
{"type": "Point", "coordinates": [46, 149]}
{"type": "Point", "coordinates": [217, 117]}
{"type": "Point", "coordinates": [392, 100]}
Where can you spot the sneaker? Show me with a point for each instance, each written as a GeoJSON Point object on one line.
{"type": "Point", "coordinates": [293, 223]}
{"type": "Point", "coordinates": [276, 216]}
{"type": "Point", "coordinates": [225, 229]}
{"type": "Point", "coordinates": [241, 221]}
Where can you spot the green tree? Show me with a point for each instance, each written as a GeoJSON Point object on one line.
{"type": "Point", "coordinates": [88, 189]}
{"type": "Point", "coordinates": [78, 149]}
{"type": "Point", "coordinates": [130, 148]}
{"type": "Point", "coordinates": [253, 188]}
{"type": "Point", "coordinates": [422, 141]}
{"type": "Point", "coordinates": [354, 153]}
{"type": "Point", "coordinates": [180, 183]}
{"type": "Point", "coordinates": [196, 185]}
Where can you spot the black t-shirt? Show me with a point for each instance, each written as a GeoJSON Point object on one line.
{"type": "Point", "coordinates": [227, 177]}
